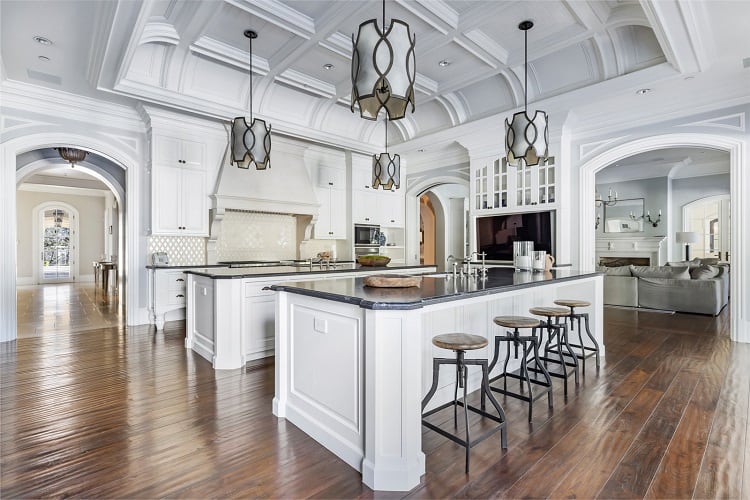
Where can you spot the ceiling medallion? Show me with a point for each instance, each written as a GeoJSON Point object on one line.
{"type": "Point", "coordinates": [251, 139]}
{"type": "Point", "coordinates": [383, 69]}
{"type": "Point", "coordinates": [526, 138]}
{"type": "Point", "coordinates": [72, 155]}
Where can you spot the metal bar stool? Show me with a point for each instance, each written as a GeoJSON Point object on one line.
{"type": "Point", "coordinates": [460, 343]}
{"type": "Point", "coordinates": [586, 351]}
{"type": "Point", "coordinates": [525, 373]}
{"type": "Point", "coordinates": [557, 340]}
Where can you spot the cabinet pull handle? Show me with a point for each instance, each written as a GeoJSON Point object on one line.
{"type": "Point", "coordinates": [180, 296]}
{"type": "Point", "coordinates": [180, 279]}
{"type": "Point", "coordinates": [330, 183]}
{"type": "Point", "coordinates": [367, 218]}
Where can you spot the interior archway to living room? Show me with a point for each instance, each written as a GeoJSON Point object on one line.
{"type": "Point", "coordinates": [740, 316]}
{"type": "Point", "coordinates": [10, 151]}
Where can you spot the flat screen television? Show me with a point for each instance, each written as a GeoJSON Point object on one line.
{"type": "Point", "coordinates": [496, 233]}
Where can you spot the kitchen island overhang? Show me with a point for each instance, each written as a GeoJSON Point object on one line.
{"type": "Point", "coordinates": [352, 362]}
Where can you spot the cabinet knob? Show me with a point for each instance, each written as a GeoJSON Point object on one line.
{"type": "Point", "coordinates": [180, 296]}
{"type": "Point", "coordinates": [330, 183]}
{"type": "Point", "coordinates": [367, 187]}
{"type": "Point", "coordinates": [367, 218]}
{"type": "Point", "coordinates": [180, 279]}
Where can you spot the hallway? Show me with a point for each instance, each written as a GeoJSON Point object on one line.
{"type": "Point", "coordinates": [65, 308]}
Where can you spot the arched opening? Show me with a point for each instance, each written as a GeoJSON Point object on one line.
{"type": "Point", "coordinates": [55, 241]}
{"type": "Point", "coordinates": [115, 169]}
{"type": "Point", "coordinates": [740, 317]}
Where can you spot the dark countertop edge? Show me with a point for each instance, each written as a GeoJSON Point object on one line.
{"type": "Point", "coordinates": [298, 273]}
{"type": "Point", "coordinates": [196, 266]}
{"type": "Point", "coordinates": [406, 306]}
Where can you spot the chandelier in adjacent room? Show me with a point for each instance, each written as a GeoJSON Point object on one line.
{"type": "Point", "coordinates": [383, 69]}
{"type": "Point", "coordinates": [526, 138]}
{"type": "Point", "coordinates": [251, 139]}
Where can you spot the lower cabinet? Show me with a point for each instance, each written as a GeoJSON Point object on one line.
{"type": "Point", "coordinates": [258, 321]}
{"type": "Point", "coordinates": [166, 293]}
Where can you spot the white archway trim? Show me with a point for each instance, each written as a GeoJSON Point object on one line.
{"type": "Point", "coordinates": [740, 246]}
{"type": "Point", "coordinates": [36, 230]}
{"type": "Point", "coordinates": [134, 263]}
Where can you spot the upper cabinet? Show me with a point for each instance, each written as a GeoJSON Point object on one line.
{"type": "Point", "coordinates": [500, 187]}
{"type": "Point", "coordinates": [330, 189]}
{"type": "Point", "coordinates": [179, 191]}
{"type": "Point", "coordinates": [375, 206]}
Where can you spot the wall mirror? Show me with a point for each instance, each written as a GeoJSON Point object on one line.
{"type": "Point", "coordinates": [625, 216]}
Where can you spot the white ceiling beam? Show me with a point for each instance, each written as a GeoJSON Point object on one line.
{"type": "Point", "coordinates": [666, 19]}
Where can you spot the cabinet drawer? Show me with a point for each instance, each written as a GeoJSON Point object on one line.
{"type": "Point", "coordinates": [176, 297]}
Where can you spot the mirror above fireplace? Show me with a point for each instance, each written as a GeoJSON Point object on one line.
{"type": "Point", "coordinates": [624, 216]}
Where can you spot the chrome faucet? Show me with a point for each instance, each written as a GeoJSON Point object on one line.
{"type": "Point", "coordinates": [484, 266]}
{"type": "Point", "coordinates": [452, 260]}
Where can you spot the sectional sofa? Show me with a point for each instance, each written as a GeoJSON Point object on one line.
{"type": "Point", "coordinates": [692, 288]}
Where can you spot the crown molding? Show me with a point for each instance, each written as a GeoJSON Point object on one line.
{"type": "Point", "coordinates": [68, 106]}
{"type": "Point", "coordinates": [58, 189]}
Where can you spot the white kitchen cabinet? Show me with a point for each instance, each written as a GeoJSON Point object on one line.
{"type": "Point", "coordinates": [179, 201]}
{"type": "Point", "coordinates": [391, 208]}
{"type": "Point", "coordinates": [499, 187]}
{"type": "Point", "coordinates": [365, 207]}
{"type": "Point", "coordinates": [331, 223]}
{"type": "Point", "coordinates": [166, 293]}
{"type": "Point", "coordinates": [362, 179]}
{"type": "Point", "coordinates": [177, 152]}
{"type": "Point", "coordinates": [333, 177]}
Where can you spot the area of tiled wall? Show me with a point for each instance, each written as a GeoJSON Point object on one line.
{"type": "Point", "coordinates": [257, 236]}
{"type": "Point", "coordinates": [182, 250]}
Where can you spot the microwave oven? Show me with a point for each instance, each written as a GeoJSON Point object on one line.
{"type": "Point", "coordinates": [366, 235]}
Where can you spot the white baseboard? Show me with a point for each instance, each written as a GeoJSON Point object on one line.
{"type": "Point", "coordinates": [25, 280]}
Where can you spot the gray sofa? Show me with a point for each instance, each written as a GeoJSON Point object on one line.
{"type": "Point", "coordinates": [701, 289]}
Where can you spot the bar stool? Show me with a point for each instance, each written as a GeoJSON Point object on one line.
{"type": "Point", "coordinates": [460, 343]}
{"type": "Point", "coordinates": [557, 340]}
{"type": "Point", "coordinates": [530, 344]}
{"type": "Point", "coordinates": [586, 351]}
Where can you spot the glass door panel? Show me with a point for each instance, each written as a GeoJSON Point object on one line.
{"type": "Point", "coordinates": [56, 245]}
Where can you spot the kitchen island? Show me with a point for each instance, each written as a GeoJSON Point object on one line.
{"type": "Point", "coordinates": [353, 362]}
{"type": "Point", "coordinates": [230, 310]}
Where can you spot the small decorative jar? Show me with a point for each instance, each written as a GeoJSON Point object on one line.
{"type": "Point", "coordinates": [538, 260]}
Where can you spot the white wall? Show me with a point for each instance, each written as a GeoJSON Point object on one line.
{"type": "Point", "coordinates": [655, 197]}
{"type": "Point", "coordinates": [90, 234]}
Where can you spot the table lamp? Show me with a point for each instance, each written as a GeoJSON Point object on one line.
{"type": "Point", "coordinates": [687, 237]}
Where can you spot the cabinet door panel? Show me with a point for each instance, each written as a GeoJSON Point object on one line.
{"type": "Point", "coordinates": [365, 207]}
{"type": "Point", "coordinates": [322, 229]}
{"type": "Point", "coordinates": [195, 203]}
{"type": "Point", "coordinates": [192, 154]}
{"type": "Point", "coordinates": [259, 326]}
{"type": "Point", "coordinates": [166, 196]}
{"type": "Point", "coordinates": [167, 150]}
{"type": "Point", "coordinates": [338, 213]}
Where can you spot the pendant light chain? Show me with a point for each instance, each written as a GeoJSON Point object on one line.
{"type": "Point", "coordinates": [526, 71]}
{"type": "Point", "coordinates": [251, 78]}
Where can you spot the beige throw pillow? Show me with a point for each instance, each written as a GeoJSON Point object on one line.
{"type": "Point", "coordinates": [677, 273]}
{"type": "Point", "coordinates": [704, 272]}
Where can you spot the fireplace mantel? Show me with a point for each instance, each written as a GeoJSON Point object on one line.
{"type": "Point", "coordinates": [652, 247]}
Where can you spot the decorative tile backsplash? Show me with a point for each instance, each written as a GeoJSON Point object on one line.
{"type": "Point", "coordinates": [182, 250]}
{"type": "Point", "coordinates": [257, 236]}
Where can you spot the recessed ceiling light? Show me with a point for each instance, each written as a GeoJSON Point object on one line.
{"type": "Point", "coordinates": [42, 40]}
{"type": "Point", "coordinates": [444, 63]}
{"type": "Point", "coordinates": [420, 150]}
{"type": "Point", "coordinates": [642, 91]}
{"type": "Point", "coordinates": [328, 67]}
{"type": "Point", "coordinates": [689, 78]}
{"type": "Point", "coordinates": [44, 58]}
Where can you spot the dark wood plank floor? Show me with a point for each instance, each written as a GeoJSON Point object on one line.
{"type": "Point", "coordinates": [126, 412]}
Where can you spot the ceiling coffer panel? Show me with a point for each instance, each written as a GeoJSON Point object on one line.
{"type": "Point", "coordinates": [567, 69]}
{"type": "Point", "coordinates": [637, 48]}
{"type": "Point", "coordinates": [488, 96]}
{"type": "Point", "coordinates": [149, 63]}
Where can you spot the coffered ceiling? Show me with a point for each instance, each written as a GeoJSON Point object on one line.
{"type": "Point", "coordinates": [192, 55]}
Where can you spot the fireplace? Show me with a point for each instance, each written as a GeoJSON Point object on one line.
{"type": "Point", "coordinates": [638, 250]}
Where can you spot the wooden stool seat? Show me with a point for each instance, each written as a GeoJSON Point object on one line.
{"type": "Point", "coordinates": [572, 303]}
{"type": "Point", "coordinates": [553, 312]}
{"type": "Point", "coordinates": [459, 341]}
{"type": "Point", "coordinates": [516, 321]}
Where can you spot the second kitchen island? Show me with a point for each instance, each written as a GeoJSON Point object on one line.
{"type": "Point", "coordinates": [353, 363]}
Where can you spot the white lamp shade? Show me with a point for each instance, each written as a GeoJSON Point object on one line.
{"type": "Point", "coordinates": [687, 237]}
{"type": "Point", "coordinates": [383, 60]}
{"type": "Point", "coordinates": [386, 171]}
{"type": "Point", "coordinates": [251, 144]}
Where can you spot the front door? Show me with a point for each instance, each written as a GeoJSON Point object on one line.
{"type": "Point", "coordinates": [58, 254]}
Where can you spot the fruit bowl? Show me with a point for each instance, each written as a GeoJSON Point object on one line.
{"type": "Point", "coordinates": [373, 260]}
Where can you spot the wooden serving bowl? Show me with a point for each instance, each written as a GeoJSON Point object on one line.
{"type": "Point", "coordinates": [374, 260]}
{"type": "Point", "coordinates": [392, 281]}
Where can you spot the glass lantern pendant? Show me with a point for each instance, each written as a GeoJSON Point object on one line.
{"type": "Point", "coordinates": [386, 168]}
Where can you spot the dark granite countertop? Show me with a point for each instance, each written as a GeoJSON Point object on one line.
{"type": "Point", "coordinates": [433, 289]}
{"type": "Point", "coordinates": [292, 271]}
{"type": "Point", "coordinates": [202, 266]}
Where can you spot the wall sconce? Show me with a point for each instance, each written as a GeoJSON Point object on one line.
{"type": "Point", "coordinates": [654, 222]}
{"type": "Point", "coordinates": [611, 200]}
{"type": "Point", "coordinates": [598, 221]}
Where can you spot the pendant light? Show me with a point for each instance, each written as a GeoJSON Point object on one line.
{"type": "Point", "coordinates": [526, 138]}
{"type": "Point", "coordinates": [72, 155]}
{"type": "Point", "coordinates": [251, 143]}
{"type": "Point", "coordinates": [386, 169]}
{"type": "Point", "coordinates": [383, 69]}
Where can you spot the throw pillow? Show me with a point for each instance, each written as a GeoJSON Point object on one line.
{"type": "Point", "coordinates": [677, 273]}
{"type": "Point", "coordinates": [618, 271]}
{"type": "Point", "coordinates": [710, 261]}
{"type": "Point", "coordinates": [683, 263]}
{"type": "Point", "coordinates": [704, 272]}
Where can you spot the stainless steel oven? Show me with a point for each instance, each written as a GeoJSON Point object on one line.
{"type": "Point", "coordinates": [366, 235]}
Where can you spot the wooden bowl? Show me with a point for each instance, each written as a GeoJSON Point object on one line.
{"type": "Point", "coordinates": [392, 281]}
{"type": "Point", "coordinates": [373, 260]}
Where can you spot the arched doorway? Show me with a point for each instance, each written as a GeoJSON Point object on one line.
{"type": "Point", "coordinates": [123, 157]}
{"type": "Point", "coordinates": [740, 317]}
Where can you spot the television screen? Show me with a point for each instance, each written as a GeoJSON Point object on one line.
{"type": "Point", "coordinates": [496, 233]}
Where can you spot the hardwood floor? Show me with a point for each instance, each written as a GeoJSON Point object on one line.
{"type": "Point", "coordinates": [128, 412]}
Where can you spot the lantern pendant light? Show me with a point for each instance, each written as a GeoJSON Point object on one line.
{"type": "Point", "coordinates": [72, 155]}
{"type": "Point", "coordinates": [526, 138]}
{"type": "Point", "coordinates": [383, 69]}
{"type": "Point", "coordinates": [251, 141]}
{"type": "Point", "coordinates": [386, 169]}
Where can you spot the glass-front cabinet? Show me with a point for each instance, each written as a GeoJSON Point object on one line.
{"type": "Point", "coordinates": [497, 185]}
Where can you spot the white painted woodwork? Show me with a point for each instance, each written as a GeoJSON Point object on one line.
{"type": "Point", "coordinates": [166, 293]}
{"type": "Point", "coordinates": [179, 201]}
{"type": "Point", "coordinates": [177, 152]}
{"type": "Point", "coordinates": [653, 248]}
{"type": "Point", "coordinates": [392, 363]}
